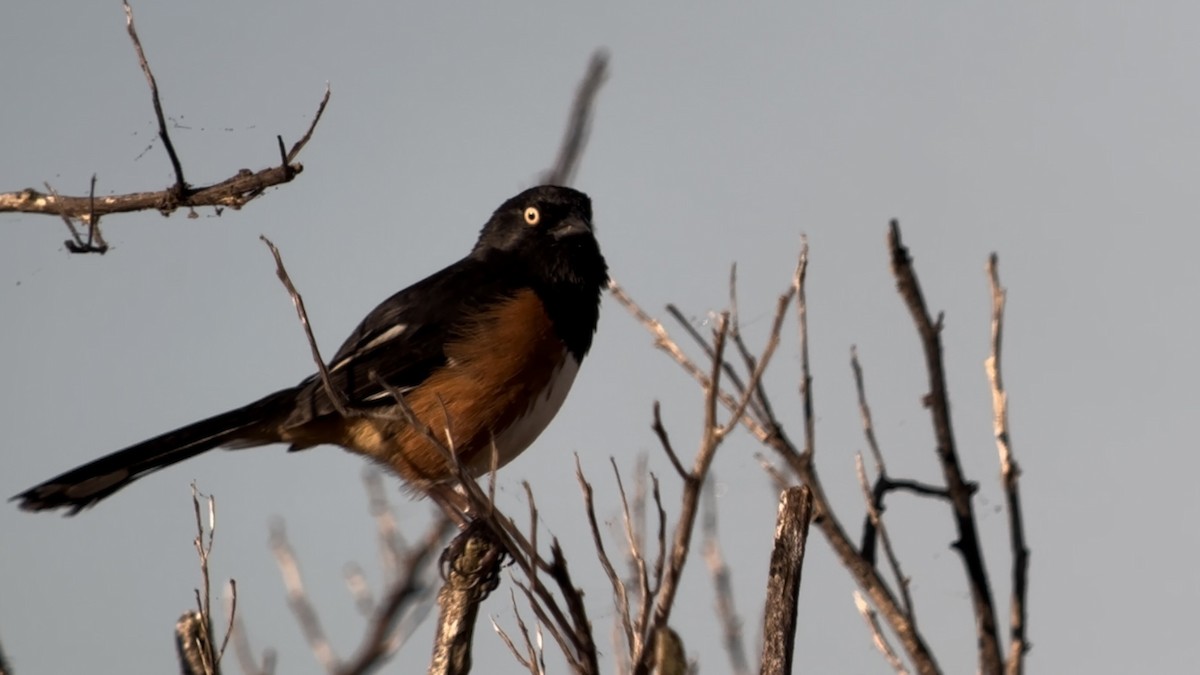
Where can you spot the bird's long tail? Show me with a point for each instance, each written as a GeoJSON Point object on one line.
{"type": "Point", "coordinates": [83, 486]}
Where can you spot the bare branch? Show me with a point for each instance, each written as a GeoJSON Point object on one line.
{"type": "Point", "coordinates": [391, 542]}
{"type": "Point", "coordinates": [877, 636]}
{"type": "Point", "coordinates": [665, 441]}
{"type": "Point", "coordinates": [620, 595]}
{"type": "Point", "coordinates": [245, 653]}
{"type": "Point", "coordinates": [579, 123]}
{"type": "Point", "coordinates": [665, 342]}
{"type": "Point", "coordinates": [382, 639]}
{"type": "Point", "coordinates": [991, 661]}
{"type": "Point", "coordinates": [308, 133]}
{"type": "Point", "coordinates": [769, 431]}
{"type": "Point", "coordinates": [783, 580]}
{"type": "Point", "coordinates": [194, 636]}
{"type": "Point", "coordinates": [805, 374]}
{"type": "Point", "coordinates": [689, 507]}
{"type": "Point", "coordinates": [530, 658]}
{"type": "Point", "coordinates": [1010, 474]}
{"type": "Point", "coordinates": [754, 384]}
{"type": "Point", "coordinates": [727, 616]}
{"type": "Point", "coordinates": [864, 411]}
{"type": "Point", "coordinates": [636, 555]}
{"type": "Point", "coordinates": [232, 614]}
{"type": "Point", "coordinates": [335, 396]}
{"type": "Point", "coordinates": [297, 597]}
{"type": "Point", "coordinates": [233, 192]}
{"type": "Point", "coordinates": [876, 519]}
{"type": "Point", "coordinates": [181, 186]}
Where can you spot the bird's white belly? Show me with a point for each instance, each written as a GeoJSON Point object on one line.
{"type": "Point", "coordinates": [524, 431]}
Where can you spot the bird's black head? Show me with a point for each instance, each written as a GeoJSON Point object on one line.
{"type": "Point", "coordinates": [548, 231]}
{"type": "Point", "coordinates": [544, 238]}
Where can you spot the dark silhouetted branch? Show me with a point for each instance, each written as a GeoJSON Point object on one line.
{"type": "Point", "coordinates": [991, 662]}
{"type": "Point", "coordinates": [570, 151]}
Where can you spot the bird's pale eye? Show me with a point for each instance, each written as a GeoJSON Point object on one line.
{"type": "Point", "coordinates": [532, 216]}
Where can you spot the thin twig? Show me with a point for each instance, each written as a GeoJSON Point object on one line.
{"type": "Point", "coordinates": [726, 610]}
{"type": "Point", "coordinates": [245, 653]}
{"type": "Point", "coordinates": [770, 432]}
{"type": "Point", "coordinates": [881, 642]}
{"type": "Point", "coordinates": [764, 359]}
{"type": "Point", "coordinates": [530, 658]}
{"type": "Point", "coordinates": [689, 506]}
{"type": "Point", "coordinates": [864, 411]}
{"type": "Point", "coordinates": [181, 187]}
{"type": "Point", "coordinates": [759, 403]}
{"type": "Point", "coordinates": [381, 640]}
{"type": "Point", "coordinates": [335, 396]}
{"type": "Point", "coordinates": [876, 519]}
{"type": "Point", "coordinates": [663, 341]}
{"type": "Point", "coordinates": [391, 542]}
{"type": "Point", "coordinates": [194, 632]}
{"type": "Point", "coordinates": [620, 594]}
{"type": "Point", "coordinates": [637, 559]}
{"type": "Point", "coordinates": [991, 661]}
{"type": "Point", "coordinates": [579, 123]}
{"type": "Point", "coordinates": [665, 441]}
{"type": "Point", "coordinates": [1010, 474]}
{"type": "Point", "coordinates": [312, 126]}
{"type": "Point", "coordinates": [806, 394]}
{"type": "Point", "coordinates": [232, 614]}
{"type": "Point", "coordinates": [297, 597]}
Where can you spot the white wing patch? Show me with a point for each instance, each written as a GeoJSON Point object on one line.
{"type": "Point", "coordinates": [389, 334]}
{"type": "Point", "coordinates": [525, 430]}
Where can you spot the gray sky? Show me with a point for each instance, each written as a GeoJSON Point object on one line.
{"type": "Point", "coordinates": [1061, 136]}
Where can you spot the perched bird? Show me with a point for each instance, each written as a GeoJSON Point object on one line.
{"type": "Point", "coordinates": [482, 352]}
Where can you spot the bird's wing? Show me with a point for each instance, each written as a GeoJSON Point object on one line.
{"type": "Point", "coordinates": [402, 341]}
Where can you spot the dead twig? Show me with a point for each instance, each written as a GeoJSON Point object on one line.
{"type": "Point", "coordinates": [382, 638]}
{"type": "Point", "coordinates": [298, 600]}
{"type": "Point", "coordinates": [876, 518]}
{"type": "Point", "coordinates": [718, 569]}
{"type": "Point", "coordinates": [991, 661]}
{"type": "Point", "coordinates": [180, 188]}
{"type": "Point", "coordinates": [233, 192]}
{"type": "Point", "coordinates": [770, 432]}
{"type": "Point", "coordinates": [570, 151]}
{"type": "Point", "coordinates": [336, 399]}
{"type": "Point", "coordinates": [1010, 474]}
{"type": "Point", "coordinates": [877, 636]}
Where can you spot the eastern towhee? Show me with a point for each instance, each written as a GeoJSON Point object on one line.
{"type": "Point", "coordinates": [480, 352]}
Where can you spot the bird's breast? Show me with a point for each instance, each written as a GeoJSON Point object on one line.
{"type": "Point", "coordinates": [524, 429]}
